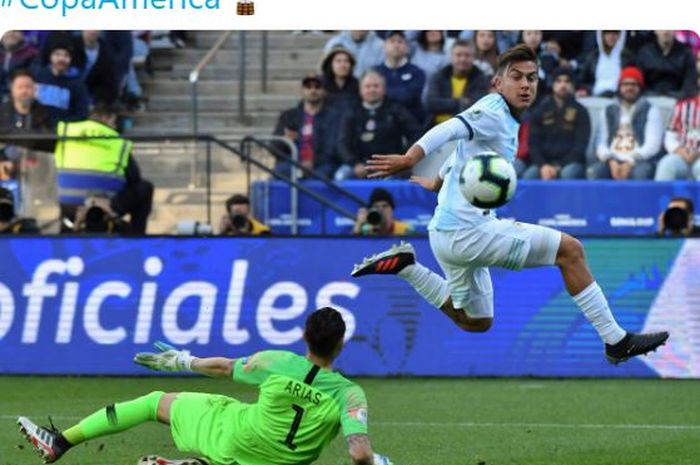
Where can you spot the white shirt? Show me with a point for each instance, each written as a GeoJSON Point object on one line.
{"type": "Point", "coordinates": [487, 126]}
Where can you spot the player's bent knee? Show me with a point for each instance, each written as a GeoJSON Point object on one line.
{"type": "Point", "coordinates": [165, 403]}
{"type": "Point", "coordinates": [570, 251]}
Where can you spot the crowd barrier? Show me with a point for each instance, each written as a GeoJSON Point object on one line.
{"type": "Point", "coordinates": [576, 207]}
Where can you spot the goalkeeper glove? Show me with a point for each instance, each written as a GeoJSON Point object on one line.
{"type": "Point", "coordinates": [168, 358]}
{"type": "Point", "coordinates": [382, 460]}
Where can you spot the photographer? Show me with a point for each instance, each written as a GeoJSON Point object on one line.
{"type": "Point", "coordinates": [98, 217]}
{"type": "Point", "coordinates": [379, 219]}
{"type": "Point", "coordinates": [238, 221]}
{"type": "Point", "coordinates": [677, 219]}
{"type": "Point", "coordinates": [9, 223]}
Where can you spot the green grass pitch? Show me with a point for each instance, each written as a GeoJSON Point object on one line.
{"type": "Point", "coordinates": [413, 421]}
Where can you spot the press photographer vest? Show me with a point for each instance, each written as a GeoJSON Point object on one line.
{"type": "Point", "coordinates": [90, 166]}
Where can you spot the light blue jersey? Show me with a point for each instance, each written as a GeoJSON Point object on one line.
{"type": "Point", "coordinates": [487, 126]}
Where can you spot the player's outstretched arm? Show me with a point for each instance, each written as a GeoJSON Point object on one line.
{"type": "Point", "coordinates": [360, 449]}
{"type": "Point", "coordinates": [381, 166]}
{"type": "Point", "coordinates": [214, 367]}
{"type": "Point", "coordinates": [361, 453]}
{"type": "Point", "coordinates": [431, 184]}
{"type": "Point", "coordinates": [168, 358]}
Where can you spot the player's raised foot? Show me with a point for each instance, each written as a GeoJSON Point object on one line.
{"type": "Point", "coordinates": [156, 460]}
{"type": "Point", "coordinates": [634, 344]}
{"type": "Point", "coordinates": [390, 261]}
{"type": "Point", "coordinates": [45, 440]}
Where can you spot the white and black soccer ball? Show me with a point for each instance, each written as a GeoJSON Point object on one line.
{"type": "Point", "coordinates": [488, 180]}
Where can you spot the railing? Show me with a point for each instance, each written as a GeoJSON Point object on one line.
{"type": "Point", "coordinates": [262, 142]}
{"type": "Point", "coordinates": [194, 77]}
{"type": "Point", "coordinates": [243, 153]}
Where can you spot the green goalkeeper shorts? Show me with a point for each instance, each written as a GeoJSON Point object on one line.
{"type": "Point", "coordinates": [209, 425]}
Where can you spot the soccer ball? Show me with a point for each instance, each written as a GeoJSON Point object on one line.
{"type": "Point", "coordinates": [488, 180]}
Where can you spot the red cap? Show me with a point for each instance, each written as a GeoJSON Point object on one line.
{"type": "Point", "coordinates": [632, 72]}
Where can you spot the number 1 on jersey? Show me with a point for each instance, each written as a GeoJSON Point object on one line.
{"type": "Point", "coordinates": [289, 441]}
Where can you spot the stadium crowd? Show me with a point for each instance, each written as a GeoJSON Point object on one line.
{"type": "Point", "coordinates": [377, 91]}
{"type": "Point", "coordinates": [611, 104]}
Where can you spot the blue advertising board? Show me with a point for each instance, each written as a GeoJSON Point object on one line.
{"type": "Point", "coordinates": [577, 207]}
{"type": "Point", "coordinates": [87, 305]}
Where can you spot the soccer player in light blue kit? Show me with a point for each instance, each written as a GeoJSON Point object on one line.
{"type": "Point", "coordinates": [466, 240]}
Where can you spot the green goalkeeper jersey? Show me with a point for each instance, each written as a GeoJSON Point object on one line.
{"type": "Point", "coordinates": [300, 408]}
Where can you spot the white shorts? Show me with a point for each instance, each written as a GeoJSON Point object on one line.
{"type": "Point", "coordinates": [465, 255]}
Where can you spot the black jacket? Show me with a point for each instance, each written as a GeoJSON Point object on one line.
{"type": "Point", "coordinates": [38, 121]}
{"type": "Point", "coordinates": [101, 80]}
{"type": "Point", "coordinates": [559, 136]}
{"type": "Point", "coordinates": [391, 128]}
{"type": "Point", "coordinates": [673, 75]}
{"type": "Point", "coordinates": [325, 132]}
{"type": "Point", "coordinates": [439, 99]}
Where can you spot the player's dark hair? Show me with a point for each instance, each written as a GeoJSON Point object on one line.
{"type": "Point", "coordinates": [688, 203]}
{"type": "Point", "coordinates": [324, 330]}
{"type": "Point", "coordinates": [516, 54]}
{"type": "Point", "coordinates": [20, 72]}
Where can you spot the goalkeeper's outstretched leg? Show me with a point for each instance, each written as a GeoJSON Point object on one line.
{"type": "Point", "coordinates": [52, 444]}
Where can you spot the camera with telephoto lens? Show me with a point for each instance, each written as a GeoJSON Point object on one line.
{"type": "Point", "coordinates": [194, 228]}
{"type": "Point", "coordinates": [7, 206]}
{"type": "Point", "coordinates": [675, 220]}
{"type": "Point", "coordinates": [238, 221]}
{"type": "Point", "coordinates": [375, 217]}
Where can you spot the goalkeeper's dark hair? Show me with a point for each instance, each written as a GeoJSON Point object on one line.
{"type": "Point", "coordinates": [324, 331]}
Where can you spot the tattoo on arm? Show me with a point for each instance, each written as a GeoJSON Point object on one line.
{"type": "Point", "coordinates": [360, 449]}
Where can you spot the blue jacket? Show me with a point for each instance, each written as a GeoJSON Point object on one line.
{"type": "Point", "coordinates": [65, 96]}
{"type": "Point", "coordinates": [404, 85]}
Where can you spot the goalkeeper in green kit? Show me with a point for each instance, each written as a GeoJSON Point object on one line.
{"type": "Point", "coordinates": [301, 406]}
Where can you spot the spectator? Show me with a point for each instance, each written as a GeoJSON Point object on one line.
{"type": "Point", "coordinates": [312, 127]}
{"type": "Point", "coordinates": [404, 81]}
{"type": "Point", "coordinates": [430, 53]}
{"type": "Point", "coordinates": [15, 53]}
{"type": "Point", "coordinates": [559, 133]}
{"type": "Point", "coordinates": [569, 46]}
{"type": "Point", "coordinates": [600, 71]}
{"type": "Point", "coordinates": [9, 222]}
{"type": "Point", "coordinates": [547, 61]}
{"type": "Point", "coordinates": [105, 166]}
{"type": "Point", "coordinates": [678, 219]}
{"type": "Point", "coordinates": [379, 220]}
{"type": "Point", "coordinates": [682, 143]}
{"type": "Point", "coordinates": [365, 46]}
{"type": "Point", "coordinates": [342, 87]}
{"type": "Point", "coordinates": [374, 126]}
{"type": "Point", "coordinates": [504, 39]}
{"type": "Point", "coordinates": [485, 52]}
{"type": "Point", "coordinates": [60, 87]}
{"type": "Point", "coordinates": [630, 133]}
{"type": "Point", "coordinates": [22, 114]}
{"type": "Point", "coordinates": [691, 39]}
{"type": "Point", "coordinates": [95, 61]}
{"type": "Point", "coordinates": [238, 220]}
{"type": "Point", "coordinates": [141, 49]}
{"type": "Point", "coordinates": [637, 39]}
{"type": "Point", "coordinates": [121, 46]}
{"type": "Point", "coordinates": [668, 67]}
{"type": "Point", "coordinates": [457, 86]}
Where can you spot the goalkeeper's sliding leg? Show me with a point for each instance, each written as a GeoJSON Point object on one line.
{"type": "Point", "coordinates": [52, 444]}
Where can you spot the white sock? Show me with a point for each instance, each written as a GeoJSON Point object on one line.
{"type": "Point", "coordinates": [594, 305]}
{"type": "Point", "coordinates": [431, 286]}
